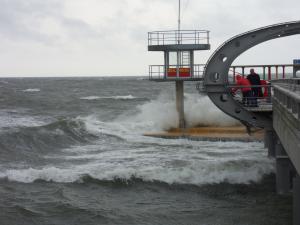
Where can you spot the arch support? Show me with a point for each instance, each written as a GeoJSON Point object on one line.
{"type": "Point", "coordinates": [217, 68]}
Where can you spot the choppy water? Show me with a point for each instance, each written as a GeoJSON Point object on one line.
{"type": "Point", "coordinates": [72, 152]}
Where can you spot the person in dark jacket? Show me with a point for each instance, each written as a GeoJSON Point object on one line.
{"type": "Point", "coordinates": [255, 81]}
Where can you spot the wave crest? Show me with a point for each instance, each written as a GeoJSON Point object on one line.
{"type": "Point", "coordinates": [30, 142]}
{"type": "Point", "coordinates": [233, 172]}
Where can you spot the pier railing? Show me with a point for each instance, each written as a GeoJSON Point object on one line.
{"type": "Point", "coordinates": [266, 72]}
{"type": "Point", "coordinates": [262, 102]}
{"type": "Point", "coordinates": [175, 37]}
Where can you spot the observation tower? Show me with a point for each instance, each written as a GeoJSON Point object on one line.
{"type": "Point", "coordinates": [178, 47]}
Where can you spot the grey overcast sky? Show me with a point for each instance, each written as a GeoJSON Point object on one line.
{"type": "Point", "coordinates": [109, 37]}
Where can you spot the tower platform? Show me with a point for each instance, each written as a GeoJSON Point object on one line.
{"type": "Point", "coordinates": [179, 47]}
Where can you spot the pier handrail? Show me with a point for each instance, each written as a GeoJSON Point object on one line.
{"type": "Point", "coordinates": [267, 70]}
{"type": "Point", "coordinates": [262, 102]}
{"type": "Point", "coordinates": [287, 93]}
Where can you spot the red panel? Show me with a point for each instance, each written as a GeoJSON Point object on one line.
{"type": "Point", "coordinates": [172, 72]}
{"type": "Point", "coordinates": [183, 72]}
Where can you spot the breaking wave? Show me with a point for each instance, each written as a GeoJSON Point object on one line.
{"type": "Point", "coordinates": [74, 149]}
{"type": "Point", "coordinates": [109, 151]}
{"type": "Point", "coordinates": [200, 173]}
{"type": "Point", "coordinates": [199, 111]}
{"type": "Point", "coordinates": [125, 97]}
{"type": "Point", "coordinates": [28, 143]}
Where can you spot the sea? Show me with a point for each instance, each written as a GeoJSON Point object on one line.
{"type": "Point", "coordinates": [72, 151]}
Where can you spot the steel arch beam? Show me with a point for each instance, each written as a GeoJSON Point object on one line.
{"type": "Point", "coordinates": [217, 68]}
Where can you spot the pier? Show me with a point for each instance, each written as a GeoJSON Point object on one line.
{"type": "Point", "coordinates": [276, 110]}
{"type": "Point", "coordinates": [281, 120]}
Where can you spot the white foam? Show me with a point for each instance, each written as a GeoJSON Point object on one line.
{"type": "Point", "coordinates": [130, 130]}
{"type": "Point", "coordinates": [124, 97]}
{"type": "Point", "coordinates": [32, 90]}
{"type": "Point", "coordinates": [190, 166]}
{"type": "Point", "coordinates": [121, 97]}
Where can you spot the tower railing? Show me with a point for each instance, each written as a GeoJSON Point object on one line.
{"type": "Point", "coordinates": [175, 37]}
{"type": "Point", "coordinates": [160, 72]}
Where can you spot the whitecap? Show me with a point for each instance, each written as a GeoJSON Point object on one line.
{"type": "Point", "coordinates": [32, 90]}
{"type": "Point", "coordinates": [90, 98]}
{"type": "Point", "coordinates": [121, 97]}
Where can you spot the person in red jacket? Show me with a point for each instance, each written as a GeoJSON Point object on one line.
{"type": "Point", "coordinates": [245, 88]}
{"type": "Point", "coordinates": [264, 85]}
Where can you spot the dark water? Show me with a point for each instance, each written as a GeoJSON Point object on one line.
{"type": "Point", "coordinates": [72, 152]}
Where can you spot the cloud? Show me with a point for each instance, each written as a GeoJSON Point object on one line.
{"type": "Point", "coordinates": [100, 37]}
{"type": "Point", "coordinates": [21, 20]}
{"type": "Point", "coordinates": [40, 21]}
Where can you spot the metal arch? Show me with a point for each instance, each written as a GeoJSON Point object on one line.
{"type": "Point", "coordinates": [217, 68]}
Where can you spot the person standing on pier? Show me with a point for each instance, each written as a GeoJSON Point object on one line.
{"type": "Point", "coordinates": [245, 87]}
{"type": "Point", "coordinates": [254, 80]}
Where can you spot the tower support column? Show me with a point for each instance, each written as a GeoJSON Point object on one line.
{"type": "Point", "coordinates": [282, 170]}
{"type": "Point", "coordinates": [180, 103]}
{"type": "Point", "coordinates": [296, 200]}
{"type": "Point", "coordinates": [270, 142]}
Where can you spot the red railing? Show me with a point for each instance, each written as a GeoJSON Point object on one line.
{"type": "Point", "coordinates": [266, 72]}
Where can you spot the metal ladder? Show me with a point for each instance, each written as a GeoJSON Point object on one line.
{"type": "Point", "coordinates": [185, 58]}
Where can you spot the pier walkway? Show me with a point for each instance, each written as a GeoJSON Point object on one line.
{"type": "Point", "coordinates": [286, 123]}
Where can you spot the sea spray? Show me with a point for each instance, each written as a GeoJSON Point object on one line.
{"type": "Point", "coordinates": [199, 111]}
